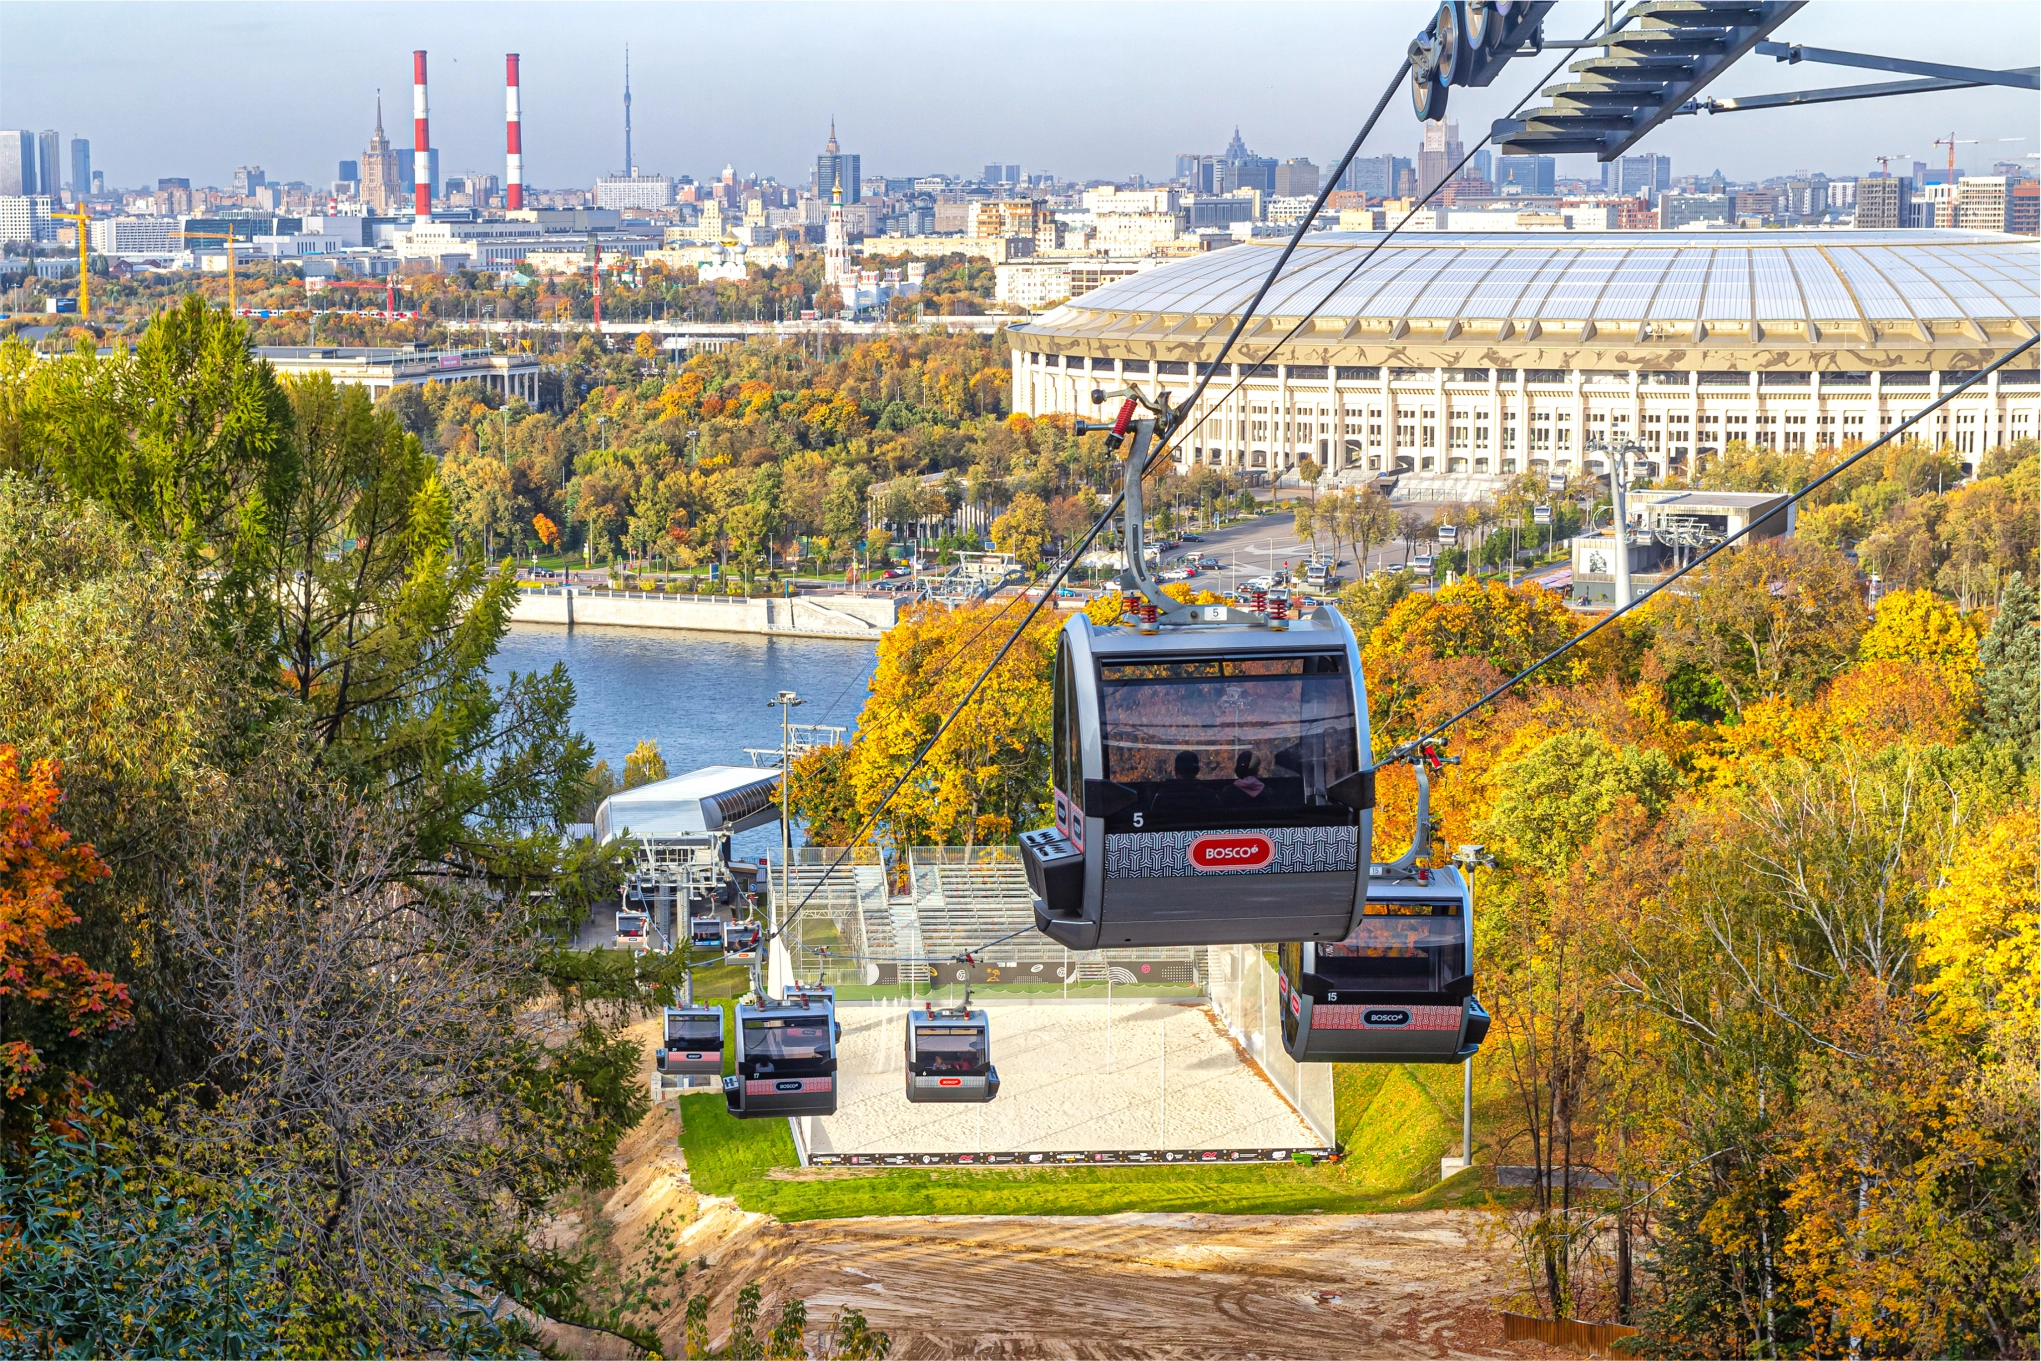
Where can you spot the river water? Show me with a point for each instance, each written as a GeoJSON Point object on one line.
{"type": "Point", "coordinates": [704, 697]}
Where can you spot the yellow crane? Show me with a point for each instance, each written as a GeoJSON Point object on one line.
{"type": "Point", "coordinates": [228, 237]}
{"type": "Point", "coordinates": [83, 217]}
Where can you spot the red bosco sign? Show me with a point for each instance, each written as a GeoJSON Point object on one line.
{"type": "Point", "coordinates": [1231, 852]}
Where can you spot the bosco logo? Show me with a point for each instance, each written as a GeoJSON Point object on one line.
{"type": "Point", "coordinates": [1385, 1016]}
{"type": "Point", "coordinates": [1237, 852]}
{"type": "Point", "coordinates": [786, 1086]}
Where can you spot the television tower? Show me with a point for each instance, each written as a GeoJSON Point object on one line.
{"type": "Point", "coordinates": [630, 166]}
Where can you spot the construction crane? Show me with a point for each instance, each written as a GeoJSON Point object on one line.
{"type": "Point", "coordinates": [228, 237]}
{"type": "Point", "coordinates": [83, 217]}
{"type": "Point", "coordinates": [1884, 162]}
{"type": "Point", "coordinates": [1952, 141]}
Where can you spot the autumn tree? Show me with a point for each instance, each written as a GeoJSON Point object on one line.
{"type": "Point", "coordinates": [53, 1005]}
{"type": "Point", "coordinates": [644, 764]}
{"type": "Point", "coordinates": [1774, 618]}
{"type": "Point", "coordinates": [987, 778]}
{"type": "Point", "coordinates": [1023, 529]}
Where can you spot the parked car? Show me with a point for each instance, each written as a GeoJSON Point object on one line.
{"type": "Point", "coordinates": [1192, 538]}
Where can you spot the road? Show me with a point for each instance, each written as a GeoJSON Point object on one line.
{"type": "Point", "coordinates": [1254, 547]}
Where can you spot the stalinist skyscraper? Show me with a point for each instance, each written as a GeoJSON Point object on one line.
{"type": "Point", "coordinates": [382, 183]}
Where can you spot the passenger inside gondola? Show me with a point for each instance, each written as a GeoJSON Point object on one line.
{"type": "Point", "coordinates": [949, 1050]}
{"type": "Point", "coordinates": [1247, 787]}
{"type": "Point", "coordinates": [1400, 947]}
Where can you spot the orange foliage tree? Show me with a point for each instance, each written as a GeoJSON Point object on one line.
{"type": "Point", "coordinates": [52, 1004]}
{"type": "Point", "coordinates": [548, 532]}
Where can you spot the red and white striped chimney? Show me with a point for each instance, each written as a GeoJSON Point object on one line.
{"type": "Point", "coordinates": [513, 193]}
{"type": "Point", "coordinates": [421, 141]}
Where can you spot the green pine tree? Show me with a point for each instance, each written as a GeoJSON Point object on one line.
{"type": "Point", "coordinates": [2011, 684]}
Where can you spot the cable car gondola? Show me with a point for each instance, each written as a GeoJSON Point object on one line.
{"type": "Point", "coordinates": [1209, 774]}
{"type": "Point", "coordinates": [786, 1058]}
{"type": "Point", "coordinates": [705, 933]}
{"type": "Point", "coordinates": [694, 1042]}
{"type": "Point", "coordinates": [1400, 987]}
{"type": "Point", "coordinates": [949, 1055]}
{"type": "Point", "coordinates": [633, 931]}
{"type": "Point", "coordinates": [741, 941]}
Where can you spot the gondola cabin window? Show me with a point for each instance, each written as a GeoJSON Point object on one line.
{"type": "Point", "coordinates": [1400, 945]}
{"type": "Point", "coordinates": [949, 1049]}
{"type": "Point", "coordinates": [786, 1045]}
{"type": "Point", "coordinates": [1226, 742]}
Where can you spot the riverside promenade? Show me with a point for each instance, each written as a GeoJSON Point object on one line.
{"type": "Point", "coordinates": [828, 616]}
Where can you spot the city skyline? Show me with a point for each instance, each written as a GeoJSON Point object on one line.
{"type": "Point", "coordinates": [693, 115]}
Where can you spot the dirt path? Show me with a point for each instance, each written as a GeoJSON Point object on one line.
{"type": "Point", "coordinates": [1135, 1286]}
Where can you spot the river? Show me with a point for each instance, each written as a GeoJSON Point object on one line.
{"type": "Point", "coordinates": [703, 697]}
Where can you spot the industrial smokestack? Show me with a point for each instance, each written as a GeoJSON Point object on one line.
{"type": "Point", "coordinates": [513, 111]}
{"type": "Point", "coordinates": [421, 141]}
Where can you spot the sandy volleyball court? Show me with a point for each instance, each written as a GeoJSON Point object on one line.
{"type": "Point", "coordinates": [1073, 1076]}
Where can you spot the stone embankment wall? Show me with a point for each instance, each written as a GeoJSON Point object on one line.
{"type": "Point", "coordinates": [834, 616]}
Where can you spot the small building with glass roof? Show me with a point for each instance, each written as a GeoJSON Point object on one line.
{"type": "Point", "coordinates": [1458, 361]}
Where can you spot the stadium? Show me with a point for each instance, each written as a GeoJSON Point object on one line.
{"type": "Point", "coordinates": [1456, 361]}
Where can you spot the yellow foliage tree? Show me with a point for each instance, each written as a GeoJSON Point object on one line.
{"type": "Point", "coordinates": [1023, 529]}
{"type": "Point", "coordinates": [988, 778]}
{"type": "Point", "coordinates": [1980, 945]}
{"type": "Point", "coordinates": [1921, 629]}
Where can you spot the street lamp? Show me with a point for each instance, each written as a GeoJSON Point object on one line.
{"type": "Point", "coordinates": [1468, 858]}
{"type": "Point", "coordinates": [786, 701]}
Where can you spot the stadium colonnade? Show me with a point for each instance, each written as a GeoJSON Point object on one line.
{"type": "Point", "coordinates": [1467, 359]}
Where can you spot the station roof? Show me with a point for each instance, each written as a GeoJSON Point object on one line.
{"type": "Point", "coordinates": [1909, 289]}
{"type": "Point", "coordinates": [701, 802]}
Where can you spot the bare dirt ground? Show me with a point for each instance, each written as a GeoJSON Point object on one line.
{"type": "Point", "coordinates": [1167, 1286]}
{"type": "Point", "coordinates": [1143, 1286]}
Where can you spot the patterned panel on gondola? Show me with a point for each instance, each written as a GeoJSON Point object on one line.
{"type": "Point", "coordinates": [1291, 850]}
{"type": "Point", "coordinates": [787, 1086]}
{"type": "Point", "coordinates": [1384, 1017]}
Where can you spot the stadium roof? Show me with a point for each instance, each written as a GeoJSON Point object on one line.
{"type": "Point", "coordinates": [1909, 289]}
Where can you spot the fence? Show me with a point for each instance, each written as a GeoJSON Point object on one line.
{"type": "Point", "coordinates": [1589, 1339]}
{"type": "Point", "coordinates": [884, 922]}
{"type": "Point", "coordinates": [1242, 987]}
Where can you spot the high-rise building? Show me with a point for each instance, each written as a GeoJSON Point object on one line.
{"type": "Point", "coordinates": [349, 170]}
{"type": "Point", "coordinates": [1645, 175]}
{"type": "Point", "coordinates": [1374, 176]}
{"type": "Point", "coordinates": [49, 176]}
{"type": "Point", "coordinates": [836, 166]}
{"type": "Point", "coordinates": [634, 191]}
{"type": "Point", "coordinates": [381, 181]}
{"type": "Point", "coordinates": [1000, 173]}
{"type": "Point", "coordinates": [1296, 178]}
{"type": "Point", "coordinates": [26, 217]}
{"type": "Point", "coordinates": [1984, 203]}
{"type": "Point", "coordinates": [1483, 164]}
{"type": "Point", "coordinates": [2023, 208]}
{"type": "Point", "coordinates": [1531, 174]}
{"type": "Point", "coordinates": [81, 167]}
{"type": "Point", "coordinates": [98, 181]}
{"type": "Point", "coordinates": [1441, 152]}
{"type": "Point", "coordinates": [17, 163]}
{"type": "Point", "coordinates": [248, 178]}
{"type": "Point", "coordinates": [1884, 202]}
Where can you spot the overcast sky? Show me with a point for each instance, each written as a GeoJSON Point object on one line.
{"type": "Point", "coordinates": [1093, 90]}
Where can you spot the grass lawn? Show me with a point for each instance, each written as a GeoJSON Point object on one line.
{"type": "Point", "coordinates": [1399, 1127]}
